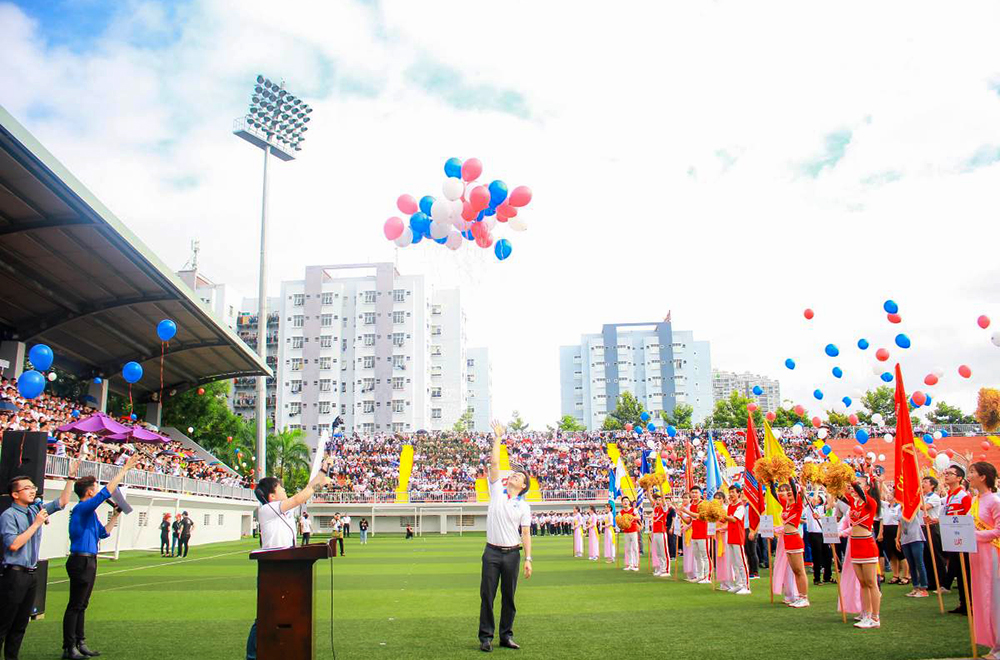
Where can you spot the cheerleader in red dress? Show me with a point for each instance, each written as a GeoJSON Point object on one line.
{"type": "Point", "coordinates": [791, 501]}
{"type": "Point", "coordinates": [864, 551]}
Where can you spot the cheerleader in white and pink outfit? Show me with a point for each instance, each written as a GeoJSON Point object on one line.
{"type": "Point", "coordinates": [593, 542]}
{"type": "Point", "coordinates": [608, 527]}
{"type": "Point", "coordinates": [577, 522]}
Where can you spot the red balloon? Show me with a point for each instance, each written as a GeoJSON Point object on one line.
{"type": "Point", "coordinates": [950, 453]}
{"type": "Point", "coordinates": [964, 371]}
{"type": "Point", "coordinates": [982, 457]}
{"type": "Point", "coordinates": [799, 410]}
{"type": "Point", "coordinates": [859, 450]}
{"type": "Point", "coordinates": [480, 198]}
{"type": "Point", "coordinates": [853, 419]}
{"type": "Point", "coordinates": [930, 380]}
{"type": "Point", "coordinates": [485, 240]}
{"type": "Point", "coordinates": [751, 407]}
{"type": "Point", "coordinates": [406, 204]}
{"type": "Point", "coordinates": [932, 452]}
{"type": "Point", "coordinates": [471, 169]}
{"type": "Point", "coordinates": [665, 454]}
{"type": "Point", "coordinates": [919, 398]}
{"type": "Point", "coordinates": [895, 318]}
{"type": "Point", "coordinates": [817, 422]}
{"type": "Point", "coordinates": [505, 211]}
{"type": "Point", "coordinates": [628, 427]}
{"type": "Point", "coordinates": [770, 416]}
{"type": "Point", "coordinates": [808, 314]}
{"type": "Point", "coordinates": [468, 213]}
{"type": "Point", "coordinates": [519, 196]}
{"type": "Point", "coordinates": [983, 321]}
{"type": "Point", "coordinates": [882, 355]}
{"type": "Point", "coordinates": [985, 444]}
{"type": "Point", "coordinates": [201, 390]}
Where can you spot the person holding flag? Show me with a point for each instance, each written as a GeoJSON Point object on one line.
{"type": "Point", "coordinates": [699, 538]}
{"type": "Point", "coordinates": [628, 523]}
{"type": "Point", "coordinates": [658, 541]}
{"type": "Point", "coordinates": [752, 495]}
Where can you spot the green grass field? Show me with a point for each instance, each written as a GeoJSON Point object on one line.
{"type": "Point", "coordinates": [420, 599]}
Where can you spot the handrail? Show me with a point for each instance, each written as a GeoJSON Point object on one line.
{"type": "Point", "coordinates": [419, 497]}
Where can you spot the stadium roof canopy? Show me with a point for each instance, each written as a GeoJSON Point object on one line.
{"type": "Point", "coordinates": [74, 277]}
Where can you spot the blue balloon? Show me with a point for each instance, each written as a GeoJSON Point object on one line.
{"type": "Point", "coordinates": [944, 434]}
{"type": "Point", "coordinates": [928, 438]}
{"type": "Point", "coordinates": [453, 168]}
{"type": "Point", "coordinates": [166, 329]}
{"type": "Point", "coordinates": [838, 372]}
{"type": "Point", "coordinates": [862, 436]}
{"type": "Point", "coordinates": [928, 401]}
{"type": "Point", "coordinates": [41, 357]}
{"type": "Point", "coordinates": [671, 430]}
{"type": "Point", "coordinates": [913, 404]}
{"type": "Point", "coordinates": [832, 350]}
{"type": "Point", "coordinates": [30, 384]}
{"type": "Point", "coordinates": [818, 394]}
{"type": "Point", "coordinates": [420, 225]}
{"type": "Point", "coordinates": [132, 372]}
{"type": "Point", "coordinates": [467, 235]}
{"type": "Point", "coordinates": [417, 237]}
{"type": "Point", "coordinates": [76, 414]}
{"type": "Point", "coordinates": [482, 214]}
{"type": "Point", "coordinates": [757, 390]}
{"type": "Point", "coordinates": [790, 363]}
{"type": "Point", "coordinates": [490, 211]}
{"type": "Point", "coordinates": [902, 341]}
{"type": "Point", "coordinates": [826, 450]}
{"type": "Point", "coordinates": [442, 241]}
{"type": "Point", "coordinates": [847, 401]}
{"type": "Point", "coordinates": [863, 344]}
{"type": "Point", "coordinates": [890, 307]}
{"type": "Point", "coordinates": [425, 204]}
{"type": "Point", "coordinates": [887, 377]}
{"type": "Point", "coordinates": [97, 380]}
{"type": "Point", "coordinates": [498, 193]}
{"type": "Point", "coordinates": [644, 416]}
{"type": "Point", "coordinates": [651, 427]}
{"type": "Point", "coordinates": [502, 250]}
{"type": "Point", "coordinates": [133, 417]}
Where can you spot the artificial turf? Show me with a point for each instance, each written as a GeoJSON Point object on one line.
{"type": "Point", "coordinates": [420, 599]}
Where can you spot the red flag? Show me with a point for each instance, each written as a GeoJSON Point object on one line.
{"type": "Point", "coordinates": [688, 474]}
{"type": "Point", "coordinates": [752, 489]}
{"type": "Point", "coordinates": [907, 485]}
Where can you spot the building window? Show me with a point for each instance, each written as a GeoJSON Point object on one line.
{"type": "Point", "coordinates": [398, 427]}
{"type": "Point", "coordinates": [296, 364]}
{"type": "Point", "coordinates": [368, 362]}
{"type": "Point", "coordinates": [222, 519]}
{"type": "Point", "coordinates": [326, 363]}
{"type": "Point", "coordinates": [435, 351]}
{"type": "Point", "coordinates": [471, 378]}
{"type": "Point", "coordinates": [398, 295]}
{"type": "Point", "coordinates": [470, 363]}
{"type": "Point", "coordinates": [368, 428]}
{"type": "Point", "coordinates": [398, 317]}
{"type": "Point", "coordinates": [369, 340]}
{"type": "Point", "coordinates": [298, 321]}
{"type": "Point", "coordinates": [435, 392]}
{"type": "Point", "coordinates": [435, 413]}
{"type": "Point", "coordinates": [325, 385]}
{"type": "Point", "coordinates": [368, 407]}
{"type": "Point", "coordinates": [471, 410]}
{"type": "Point", "coordinates": [294, 408]}
{"type": "Point", "coordinates": [298, 300]}
{"type": "Point", "coordinates": [296, 386]}
{"type": "Point", "coordinates": [368, 385]}
{"type": "Point", "coordinates": [397, 383]}
{"type": "Point", "coordinates": [436, 330]}
{"type": "Point", "coordinates": [436, 310]}
{"type": "Point", "coordinates": [369, 296]}
{"type": "Point", "coordinates": [398, 406]}
{"type": "Point", "coordinates": [397, 338]}
{"type": "Point", "coordinates": [326, 320]}
{"type": "Point", "coordinates": [324, 407]}
{"type": "Point", "coordinates": [297, 342]}
{"type": "Point", "coordinates": [369, 318]}
{"type": "Point", "coordinates": [326, 341]}
{"type": "Point", "coordinates": [343, 344]}
{"type": "Point", "coordinates": [327, 299]}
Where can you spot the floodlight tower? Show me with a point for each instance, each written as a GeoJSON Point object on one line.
{"type": "Point", "coordinates": [276, 123]}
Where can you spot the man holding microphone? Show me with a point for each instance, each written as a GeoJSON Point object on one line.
{"type": "Point", "coordinates": [508, 528]}
{"type": "Point", "coordinates": [21, 530]}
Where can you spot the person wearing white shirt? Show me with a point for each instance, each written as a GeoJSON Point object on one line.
{"type": "Point", "coordinates": [305, 527]}
{"type": "Point", "coordinates": [822, 556]}
{"type": "Point", "coordinates": [346, 520]}
{"type": "Point", "coordinates": [934, 562]}
{"type": "Point", "coordinates": [508, 529]}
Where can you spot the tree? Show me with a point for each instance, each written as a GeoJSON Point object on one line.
{"type": "Point", "coordinates": [945, 414]}
{"type": "Point", "coordinates": [207, 413]}
{"type": "Point", "coordinates": [516, 423]}
{"type": "Point", "coordinates": [681, 417]}
{"type": "Point", "coordinates": [611, 424]}
{"type": "Point", "coordinates": [732, 413]}
{"type": "Point", "coordinates": [881, 400]}
{"type": "Point", "coordinates": [627, 410]}
{"type": "Point", "coordinates": [464, 423]}
{"type": "Point", "coordinates": [988, 410]}
{"type": "Point", "coordinates": [286, 454]}
{"type": "Point", "coordinates": [837, 419]}
{"type": "Point", "coordinates": [570, 424]}
{"type": "Point", "coordinates": [786, 418]}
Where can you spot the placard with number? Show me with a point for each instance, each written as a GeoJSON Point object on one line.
{"type": "Point", "coordinates": [766, 528]}
{"type": "Point", "coordinates": [958, 534]}
{"type": "Point", "coordinates": [831, 530]}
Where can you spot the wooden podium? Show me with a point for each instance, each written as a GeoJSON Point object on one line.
{"type": "Point", "coordinates": [285, 600]}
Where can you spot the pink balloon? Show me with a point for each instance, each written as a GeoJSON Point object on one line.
{"type": "Point", "coordinates": [519, 196]}
{"type": "Point", "coordinates": [393, 228]}
{"type": "Point", "coordinates": [505, 211]}
{"type": "Point", "coordinates": [471, 169]}
{"type": "Point", "coordinates": [983, 321]}
{"type": "Point", "coordinates": [882, 355]}
{"type": "Point", "coordinates": [770, 416]}
{"type": "Point", "coordinates": [751, 407]}
{"type": "Point", "coordinates": [479, 198]}
{"type": "Point", "coordinates": [964, 371]}
{"type": "Point", "coordinates": [817, 422]}
{"type": "Point", "coordinates": [853, 419]}
{"type": "Point", "coordinates": [932, 452]}
{"type": "Point", "coordinates": [468, 213]}
{"type": "Point", "coordinates": [919, 398]}
{"type": "Point", "coordinates": [406, 204]}
{"type": "Point", "coordinates": [930, 380]}
{"type": "Point", "coordinates": [985, 444]}
{"type": "Point", "coordinates": [859, 450]}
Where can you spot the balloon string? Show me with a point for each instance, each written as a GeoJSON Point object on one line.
{"type": "Point", "coordinates": [163, 349]}
{"type": "Point", "coordinates": [130, 409]}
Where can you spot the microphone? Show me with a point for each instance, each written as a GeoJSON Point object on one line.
{"type": "Point", "coordinates": [38, 501]}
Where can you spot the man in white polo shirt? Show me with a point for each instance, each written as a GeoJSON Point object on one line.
{"type": "Point", "coordinates": [508, 527]}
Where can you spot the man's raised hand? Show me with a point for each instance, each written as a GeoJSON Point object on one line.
{"type": "Point", "coordinates": [498, 429]}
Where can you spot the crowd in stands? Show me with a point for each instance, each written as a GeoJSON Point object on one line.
{"type": "Point", "coordinates": [47, 413]}
{"type": "Point", "coordinates": [365, 465]}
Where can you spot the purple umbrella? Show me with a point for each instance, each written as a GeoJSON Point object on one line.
{"type": "Point", "coordinates": [96, 423]}
{"type": "Point", "coordinates": [136, 434]}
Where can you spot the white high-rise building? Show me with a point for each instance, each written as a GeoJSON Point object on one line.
{"type": "Point", "coordinates": [660, 366]}
{"type": "Point", "coordinates": [222, 299]}
{"type": "Point", "coordinates": [479, 398]}
{"type": "Point", "coordinates": [374, 347]}
{"type": "Point", "coordinates": [724, 383]}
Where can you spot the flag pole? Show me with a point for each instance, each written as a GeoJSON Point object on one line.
{"type": "Point", "coordinates": [770, 570]}
{"type": "Point", "coordinates": [930, 544]}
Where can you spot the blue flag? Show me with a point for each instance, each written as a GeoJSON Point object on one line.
{"type": "Point", "coordinates": [713, 475]}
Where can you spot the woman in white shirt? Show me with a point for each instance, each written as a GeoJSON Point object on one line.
{"type": "Point", "coordinates": [891, 510]}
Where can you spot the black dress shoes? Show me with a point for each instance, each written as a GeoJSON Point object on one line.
{"type": "Point", "coordinates": [958, 610]}
{"type": "Point", "coordinates": [486, 646]}
{"type": "Point", "coordinates": [509, 644]}
{"type": "Point", "coordinates": [73, 654]}
{"type": "Point", "coordinates": [82, 648]}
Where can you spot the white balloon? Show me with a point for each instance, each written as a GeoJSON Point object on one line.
{"type": "Point", "coordinates": [877, 419]}
{"type": "Point", "coordinates": [878, 369]}
{"type": "Point", "coordinates": [941, 462]}
{"type": "Point", "coordinates": [517, 224]}
{"type": "Point", "coordinates": [696, 442]}
{"type": "Point", "coordinates": [456, 210]}
{"type": "Point", "coordinates": [452, 188]}
{"type": "Point", "coordinates": [881, 457]}
{"type": "Point", "coordinates": [871, 455]}
{"type": "Point", "coordinates": [650, 444]}
{"type": "Point", "coordinates": [490, 222]}
{"type": "Point", "coordinates": [454, 240]}
{"type": "Point", "coordinates": [797, 430]}
{"type": "Point", "coordinates": [190, 429]}
{"type": "Point", "coordinates": [839, 406]}
{"type": "Point", "coordinates": [995, 339]}
{"type": "Point", "coordinates": [888, 437]}
{"type": "Point", "coordinates": [405, 238]}
{"type": "Point", "coordinates": [52, 376]}
{"type": "Point", "coordinates": [823, 433]}
{"type": "Point", "coordinates": [438, 230]}
{"type": "Point", "coordinates": [776, 433]}
{"type": "Point", "coordinates": [441, 210]}
{"type": "Point", "coordinates": [701, 454]}
{"type": "Point", "coordinates": [939, 373]}
{"type": "Point", "coordinates": [938, 435]}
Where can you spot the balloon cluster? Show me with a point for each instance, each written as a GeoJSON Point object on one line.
{"type": "Point", "coordinates": [31, 384]}
{"type": "Point", "coordinates": [466, 211]}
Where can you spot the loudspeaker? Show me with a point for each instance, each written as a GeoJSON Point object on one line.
{"type": "Point", "coordinates": [22, 454]}
{"type": "Point", "coordinates": [42, 575]}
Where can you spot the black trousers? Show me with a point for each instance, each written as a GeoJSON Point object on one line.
{"type": "Point", "coordinates": [82, 572]}
{"type": "Point", "coordinates": [164, 545]}
{"type": "Point", "coordinates": [305, 538]}
{"type": "Point", "coordinates": [182, 544]}
{"type": "Point", "coordinates": [18, 589]}
{"type": "Point", "coordinates": [933, 580]}
{"type": "Point", "coordinates": [822, 557]}
{"type": "Point", "coordinates": [955, 572]}
{"type": "Point", "coordinates": [340, 542]}
{"type": "Point", "coordinates": [347, 530]}
{"type": "Point", "coordinates": [672, 544]}
{"type": "Point", "coordinates": [750, 547]}
{"type": "Point", "coordinates": [499, 569]}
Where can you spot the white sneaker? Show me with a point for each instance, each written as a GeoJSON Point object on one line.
{"type": "Point", "coordinates": [733, 589]}
{"type": "Point", "coordinates": [754, 577]}
{"type": "Point", "coordinates": [742, 592]}
{"type": "Point", "coordinates": [691, 580]}
{"type": "Point", "coordinates": [800, 603]}
{"type": "Point", "coordinates": [722, 587]}
{"type": "Point", "coordinates": [867, 623]}
{"type": "Point", "coordinates": [657, 573]}
{"type": "Point", "coordinates": [704, 581]}
{"type": "Point", "coordinates": [859, 617]}
{"type": "Point", "coordinates": [664, 575]}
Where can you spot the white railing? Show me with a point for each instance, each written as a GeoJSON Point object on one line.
{"type": "Point", "coordinates": [58, 466]}
{"type": "Point", "coordinates": [465, 496]}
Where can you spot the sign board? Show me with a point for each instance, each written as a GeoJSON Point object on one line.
{"type": "Point", "coordinates": [766, 527]}
{"type": "Point", "coordinates": [711, 528]}
{"type": "Point", "coordinates": [831, 530]}
{"type": "Point", "coordinates": [958, 534]}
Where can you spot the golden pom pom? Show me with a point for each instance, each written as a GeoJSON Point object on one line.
{"type": "Point", "coordinates": [811, 473]}
{"type": "Point", "coordinates": [782, 469]}
{"type": "Point", "coordinates": [837, 478]}
{"type": "Point", "coordinates": [762, 471]}
{"type": "Point", "coordinates": [624, 520]}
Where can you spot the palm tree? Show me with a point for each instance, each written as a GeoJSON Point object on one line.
{"type": "Point", "coordinates": [287, 453]}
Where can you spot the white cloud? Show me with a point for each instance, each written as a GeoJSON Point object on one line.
{"type": "Point", "coordinates": [622, 104]}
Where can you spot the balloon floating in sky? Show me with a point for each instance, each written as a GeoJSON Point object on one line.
{"type": "Point", "coordinates": [882, 355]}
{"type": "Point", "coordinates": [770, 416]}
{"type": "Point", "coordinates": [790, 363]}
{"type": "Point", "coordinates": [832, 350]}
{"type": "Point", "coordinates": [863, 344]}
{"type": "Point", "coordinates": [757, 390]}
{"type": "Point", "coordinates": [809, 314]}
{"type": "Point", "coordinates": [465, 211]}
{"type": "Point", "coordinates": [902, 341]}
{"type": "Point", "coordinates": [818, 394]}
{"type": "Point", "coordinates": [838, 372]}
{"type": "Point", "coordinates": [983, 321]}
{"type": "Point", "coordinates": [930, 380]}
{"type": "Point", "coordinates": [890, 307]}
{"type": "Point", "coordinates": [862, 436]}
{"type": "Point", "coordinates": [887, 377]}
{"type": "Point", "coordinates": [894, 318]}
{"type": "Point", "coordinates": [919, 398]}
{"type": "Point", "coordinates": [847, 401]}
{"type": "Point", "coordinates": [964, 371]}
{"type": "Point", "coordinates": [853, 419]}
{"type": "Point", "coordinates": [671, 430]}
{"type": "Point", "coordinates": [799, 410]}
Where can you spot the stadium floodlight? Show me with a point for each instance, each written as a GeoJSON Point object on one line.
{"type": "Point", "coordinates": [269, 126]}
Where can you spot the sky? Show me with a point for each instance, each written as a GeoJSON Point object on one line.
{"type": "Point", "coordinates": [731, 162]}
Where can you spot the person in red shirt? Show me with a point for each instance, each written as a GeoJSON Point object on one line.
{"type": "Point", "coordinates": [957, 503]}
{"type": "Point", "coordinates": [864, 551]}
{"type": "Point", "coordinates": [658, 541]}
{"type": "Point", "coordinates": [699, 539]}
{"type": "Point", "coordinates": [630, 535]}
{"type": "Point", "coordinates": [792, 506]}
{"type": "Point", "coordinates": [735, 551]}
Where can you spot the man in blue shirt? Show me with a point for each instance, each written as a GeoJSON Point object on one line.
{"type": "Point", "coordinates": [85, 532]}
{"type": "Point", "coordinates": [21, 531]}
